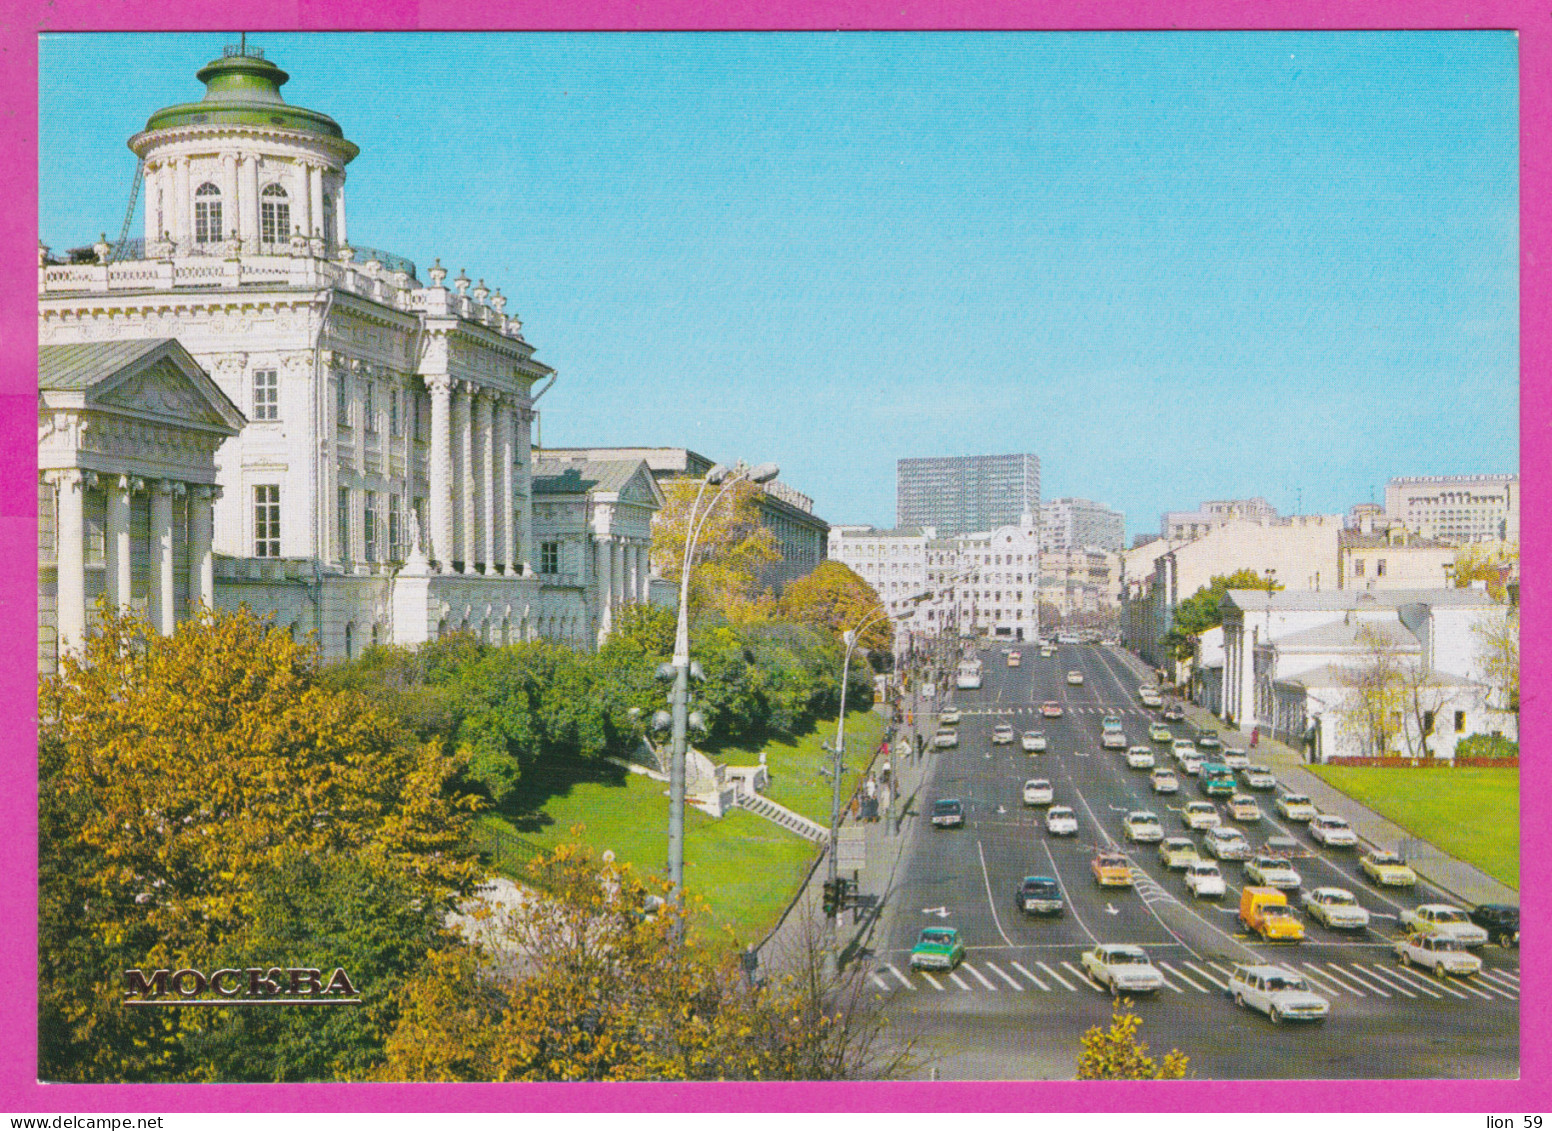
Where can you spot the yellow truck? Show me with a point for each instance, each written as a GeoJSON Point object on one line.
{"type": "Point", "coordinates": [1266, 912]}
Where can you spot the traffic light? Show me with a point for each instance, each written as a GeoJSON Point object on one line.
{"type": "Point", "coordinates": [832, 896]}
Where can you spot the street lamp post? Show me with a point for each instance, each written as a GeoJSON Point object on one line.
{"type": "Point", "coordinates": [681, 667]}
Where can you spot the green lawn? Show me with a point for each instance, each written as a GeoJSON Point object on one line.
{"type": "Point", "coordinates": [1472, 813]}
{"type": "Point", "coordinates": [794, 764]}
{"type": "Point", "coordinates": [745, 868]}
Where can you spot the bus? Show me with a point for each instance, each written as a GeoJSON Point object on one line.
{"type": "Point", "coordinates": [969, 673]}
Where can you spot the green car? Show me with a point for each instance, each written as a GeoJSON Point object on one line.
{"type": "Point", "coordinates": [938, 948]}
{"type": "Point", "coordinates": [1160, 733]}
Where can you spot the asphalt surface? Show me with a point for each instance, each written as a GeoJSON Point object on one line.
{"type": "Point", "coordinates": [1017, 1005]}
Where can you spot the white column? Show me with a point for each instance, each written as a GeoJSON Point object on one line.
{"type": "Point", "coordinates": [161, 606]}
{"type": "Point", "coordinates": [153, 201]}
{"type": "Point", "coordinates": [315, 200]}
{"type": "Point", "coordinates": [485, 440]}
{"type": "Point", "coordinates": [231, 213]}
{"type": "Point", "coordinates": [339, 213]}
{"type": "Point", "coordinates": [617, 573]}
{"type": "Point", "coordinates": [183, 232]}
{"type": "Point", "coordinates": [70, 558]}
{"type": "Point", "coordinates": [441, 470]}
{"type": "Point", "coordinates": [303, 195]}
{"type": "Point", "coordinates": [602, 584]}
{"type": "Point", "coordinates": [504, 455]}
{"type": "Point", "coordinates": [463, 478]}
{"type": "Point", "coordinates": [249, 203]}
{"type": "Point", "coordinates": [202, 558]}
{"type": "Point", "coordinates": [643, 575]}
{"type": "Point", "coordinates": [523, 552]}
{"type": "Point", "coordinates": [118, 547]}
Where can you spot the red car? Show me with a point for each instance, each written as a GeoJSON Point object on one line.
{"type": "Point", "coordinates": [1051, 710]}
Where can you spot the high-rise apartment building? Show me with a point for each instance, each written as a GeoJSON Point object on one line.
{"type": "Point", "coordinates": [960, 494]}
{"type": "Point", "coordinates": [1068, 525]}
{"type": "Point", "coordinates": [1457, 508]}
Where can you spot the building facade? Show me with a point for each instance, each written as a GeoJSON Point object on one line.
{"type": "Point", "coordinates": [387, 420]}
{"type": "Point", "coordinates": [964, 494]}
{"type": "Point", "coordinates": [1186, 526]}
{"type": "Point", "coordinates": [1457, 508]}
{"type": "Point", "coordinates": [1081, 581]}
{"type": "Point", "coordinates": [1068, 525]}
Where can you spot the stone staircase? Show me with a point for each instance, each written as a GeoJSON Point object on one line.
{"type": "Point", "coordinates": [781, 815]}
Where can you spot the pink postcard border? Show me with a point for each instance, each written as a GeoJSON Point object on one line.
{"type": "Point", "coordinates": [26, 19]}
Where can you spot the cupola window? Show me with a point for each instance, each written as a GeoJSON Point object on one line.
{"type": "Point", "coordinates": [207, 214]}
{"type": "Point", "coordinates": [274, 215]}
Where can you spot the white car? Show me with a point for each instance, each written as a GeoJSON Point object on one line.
{"type": "Point", "coordinates": [1113, 740]}
{"type": "Point", "coordinates": [1150, 698]}
{"type": "Point", "coordinates": [1143, 827]}
{"type": "Point", "coordinates": [1038, 791]}
{"type": "Point", "coordinates": [1204, 880]}
{"type": "Point", "coordinates": [1441, 955]}
{"type": "Point", "coordinates": [1227, 844]}
{"type": "Point", "coordinates": [1061, 821]}
{"type": "Point", "coordinates": [1122, 969]}
{"type": "Point", "coordinates": [1235, 758]}
{"type": "Point", "coordinates": [1296, 807]}
{"type": "Point", "coordinates": [945, 739]}
{"type": "Point", "coordinates": [1183, 746]}
{"type": "Point", "coordinates": [1243, 807]}
{"type": "Point", "coordinates": [1445, 921]}
{"type": "Point", "coordinates": [1259, 777]}
{"type": "Point", "coordinates": [1191, 763]}
{"type": "Point", "coordinates": [1075, 678]}
{"type": "Point", "coordinates": [1199, 815]}
{"type": "Point", "coordinates": [1280, 993]}
{"type": "Point", "coordinates": [949, 716]}
{"type": "Point", "coordinates": [1002, 734]}
{"type": "Point", "coordinates": [1335, 908]}
{"type": "Point", "coordinates": [1332, 831]}
{"type": "Point", "coordinates": [1033, 741]}
{"type": "Point", "coordinates": [1164, 780]}
{"type": "Point", "coordinates": [1273, 872]}
{"type": "Point", "coordinates": [1139, 758]}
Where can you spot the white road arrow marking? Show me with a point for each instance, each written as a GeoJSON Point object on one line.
{"type": "Point", "coordinates": [940, 912]}
{"type": "Point", "coordinates": [1001, 809]}
{"type": "Point", "coordinates": [1110, 909]}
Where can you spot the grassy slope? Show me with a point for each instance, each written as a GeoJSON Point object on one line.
{"type": "Point", "coordinates": [794, 764]}
{"type": "Point", "coordinates": [1472, 812]}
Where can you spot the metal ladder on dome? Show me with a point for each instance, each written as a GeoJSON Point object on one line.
{"type": "Point", "coordinates": [129, 213]}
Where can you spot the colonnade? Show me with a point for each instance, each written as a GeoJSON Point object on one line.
{"type": "Point", "coordinates": [480, 513]}
{"type": "Point", "coordinates": [620, 567]}
{"type": "Point", "coordinates": [170, 208]}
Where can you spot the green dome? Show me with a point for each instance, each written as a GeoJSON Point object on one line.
{"type": "Point", "coordinates": [244, 90]}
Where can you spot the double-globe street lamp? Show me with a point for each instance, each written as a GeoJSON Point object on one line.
{"type": "Point", "coordinates": [680, 666]}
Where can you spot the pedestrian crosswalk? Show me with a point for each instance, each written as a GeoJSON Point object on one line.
{"type": "Point", "coordinates": [1034, 709]}
{"type": "Point", "coordinates": [1353, 979]}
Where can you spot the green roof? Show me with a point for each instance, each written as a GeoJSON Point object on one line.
{"type": "Point", "coordinates": [82, 365]}
{"type": "Point", "coordinates": [577, 477]}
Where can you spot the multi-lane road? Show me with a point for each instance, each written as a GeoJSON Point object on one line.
{"type": "Point", "coordinates": [1015, 1007]}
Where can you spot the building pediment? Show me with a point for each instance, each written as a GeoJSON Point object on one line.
{"type": "Point", "coordinates": [156, 380]}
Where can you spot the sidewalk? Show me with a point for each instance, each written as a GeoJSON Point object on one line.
{"type": "Point", "coordinates": [1466, 883]}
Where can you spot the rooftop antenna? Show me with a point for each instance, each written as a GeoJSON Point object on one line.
{"type": "Point", "coordinates": [242, 43]}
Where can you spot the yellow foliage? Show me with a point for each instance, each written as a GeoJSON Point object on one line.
{"type": "Point", "coordinates": [733, 547]}
{"type": "Point", "coordinates": [1117, 1054]}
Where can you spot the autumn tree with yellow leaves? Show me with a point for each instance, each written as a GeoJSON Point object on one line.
{"type": "Point", "coordinates": [1116, 1053]}
{"type": "Point", "coordinates": [731, 556]}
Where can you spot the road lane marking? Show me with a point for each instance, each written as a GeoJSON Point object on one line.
{"type": "Point", "coordinates": [1222, 969]}
{"type": "Point", "coordinates": [1469, 988]}
{"type": "Point", "coordinates": [958, 981]}
{"type": "Point", "coordinates": [1046, 844]}
{"type": "Point", "coordinates": [977, 975]}
{"type": "Point", "coordinates": [1419, 980]}
{"type": "Point", "coordinates": [990, 902]}
{"type": "Point", "coordinates": [931, 981]}
{"type": "Point", "coordinates": [1323, 984]}
{"type": "Point", "coordinates": [880, 983]}
{"type": "Point", "coordinates": [1503, 972]}
{"type": "Point", "coordinates": [1065, 983]}
{"type": "Point", "coordinates": [1081, 974]}
{"type": "Point", "coordinates": [1193, 983]}
{"type": "Point", "coordinates": [997, 970]}
{"type": "Point", "coordinates": [1390, 979]}
{"type": "Point", "coordinates": [1491, 988]}
{"type": "Point", "coordinates": [1030, 976]}
{"type": "Point", "coordinates": [1337, 979]}
{"type": "Point", "coordinates": [1354, 976]}
{"type": "Point", "coordinates": [1498, 976]}
{"type": "Point", "coordinates": [1198, 970]}
{"type": "Point", "coordinates": [904, 981]}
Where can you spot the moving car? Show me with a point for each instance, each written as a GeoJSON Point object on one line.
{"type": "Point", "coordinates": [1038, 895]}
{"type": "Point", "coordinates": [1112, 869]}
{"type": "Point", "coordinates": [1500, 920]}
{"type": "Point", "coordinates": [1216, 779]}
{"type": "Point", "coordinates": [1273, 872]}
{"type": "Point", "coordinates": [1051, 709]}
{"type": "Point", "coordinates": [1332, 831]}
{"type": "Point", "coordinates": [1190, 762]}
{"type": "Point", "coordinates": [1243, 807]}
{"type": "Point", "coordinates": [1259, 777]}
{"type": "Point", "coordinates": [1143, 827]}
{"type": "Point", "coordinates": [1158, 732]}
{"type": "Point", "coordinates": [1178, 852]}
{"type": "Point", "coordinates": [1387, 869]}
{"type": "Point", "coordinates": [1174, 713]}
{"type": "Point", "coordinates": [1075, 678]}
{"type": "Point", "coordinates": [1296, 807]}
{"type": "Point", "coordinates": [1002, 734]}
{"type": "Point", "coordinates": [1280, 993]}
{"type": "Point", "coordinates": [1444, 920]}
{"type": "Point", "coordinates": [945, 738]}
{"type": "Point", "coordinates": [1182, 746]}
{"type": "Point", "coordinates": [1235, 758]}
{"type": "Point", "coordinates": [1140, 758]}
{"type": "Point", "coordinates": [1113, 740]}
{"type": "Point", "coordinates": [1150, 697]}
{"type": "Point", "coordinates": [1437, 953]}
{"type": "Point", "coordinates": [1204, 880]}
{"type": "Point", "coordinates": [1265, 911]}
{"type": "Point", "coordinates": [1199, 815]}
{"type": "Point", "coordinates": [948, 717]}
{"type": "Point", "coordinates": [1227, 844]}
{"type": "Point", "coordinates": [1038, 791]}
{"type": "Point", "coordinates": [948, 813]}
{"type": "Point", "coordinates": [1122, 969]}
{"type": "Point", "coordinates": [1033, 741]}
{"type": "Point", "coordinates": [1335, 908]}
{"type": "Point", "coordinates": [1208, 740]}
{"type": "Point", "coordinates": [1164, 780]}
{"type": "Point", "coordinates": [1061, 821]}
{"type": "Point", "coordinates": [1014, 659]}
{"type": "Point", "coordinates": [1112, 722]}
{"type": "Point", "coordinates": [937, 948]}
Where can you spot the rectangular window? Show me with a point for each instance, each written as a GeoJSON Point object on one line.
{"type": "Point", "coordinates": [419, 415]}
{"type": "Point", "coordinates": [1460, 722]}
{"type": "Point", "coordinates": [368, 406]}
{"type": "Point", "coordinates": [549, 557]}
{"type": "Point", "coordinates": [343, 519]}
{"type": "Point", "coordinates": [266, 394]}
{"type": "Point", "coordinates": [369, 528]}
{"type": "Point", "coordinates": [266, 521]}
{"type": "Point", "coordinates": [393, 412]}
{"type": "Point", "coordinates": [274, 217]}
{"type": "Point", "coordinates": [1379, 568]}
{"type": "Point", "coordinates": [207, 219]}
{"type": "Point", "coordinates": [395, 530]}
{"type": "Point", "coordinates": [1357, 567]}
{"type": "Point", "coordinates": [342, 400]}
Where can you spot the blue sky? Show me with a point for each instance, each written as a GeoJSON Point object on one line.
{"type": "Point", "coordinates": [1176, 266]}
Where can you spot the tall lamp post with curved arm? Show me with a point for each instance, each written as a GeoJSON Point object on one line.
{"type": "Point", "coordinates": [680, 667]}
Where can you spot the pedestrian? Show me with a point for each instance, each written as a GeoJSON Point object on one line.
{"type": "Point", "coordinates": [1255, 736]}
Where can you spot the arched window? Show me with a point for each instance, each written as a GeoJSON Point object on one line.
{"type": "Point", "coordinates": [274, 215]}
{"type": "Point", "coordinates": [207, 214]}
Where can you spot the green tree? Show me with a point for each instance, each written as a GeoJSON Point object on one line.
{"type": "Point", "coordinates": [1117, 1054]}
{"type": "Point", "coordinates": [1492, 564]}
{"type": "Point", "coordinates": [1200, 612]}
{"type": "Point", "coordinates": [734, 549]}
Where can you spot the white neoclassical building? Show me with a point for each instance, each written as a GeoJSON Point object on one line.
{"type": "Point", "coordinates": [387, 420]}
